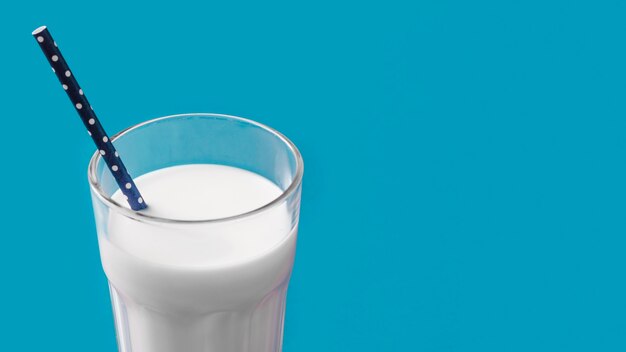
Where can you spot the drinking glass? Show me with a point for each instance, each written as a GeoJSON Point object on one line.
{"type": "Point", "coordinates": [188, 303]}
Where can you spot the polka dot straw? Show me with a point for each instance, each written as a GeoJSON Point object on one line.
{"type": "Point", "coordinates": [94, 128]}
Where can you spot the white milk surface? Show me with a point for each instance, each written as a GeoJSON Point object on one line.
{"type": "Point", "coordinates": [200, 287]}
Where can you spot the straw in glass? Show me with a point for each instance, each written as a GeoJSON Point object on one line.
{"type": "Point", "coordinates": [86, 113]}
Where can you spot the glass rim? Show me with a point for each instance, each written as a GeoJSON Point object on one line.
{"type": "Point", "coordinates": [96, 188]}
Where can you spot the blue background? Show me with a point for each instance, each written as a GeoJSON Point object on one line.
{"type": "Point", "coordinates": [465, 163]}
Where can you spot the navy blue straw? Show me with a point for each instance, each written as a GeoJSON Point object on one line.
{"type": "Point", "coordinates": [82, 106]}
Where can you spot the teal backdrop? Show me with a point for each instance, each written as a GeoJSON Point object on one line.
{"type": "Point", "coordinates": [465, 163]}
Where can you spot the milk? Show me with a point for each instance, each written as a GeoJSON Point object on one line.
{"type": "Point", "coordinates": [200, 287]}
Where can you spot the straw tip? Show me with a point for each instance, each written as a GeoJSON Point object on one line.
{"type": "Point", "coordinates": [39, 30]}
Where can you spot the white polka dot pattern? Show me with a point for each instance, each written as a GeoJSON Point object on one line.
{"type": "Point", "coordinates": [106, 150]}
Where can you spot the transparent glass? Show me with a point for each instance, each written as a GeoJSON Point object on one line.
{"type": "Point", "coordinates": [189, 305]}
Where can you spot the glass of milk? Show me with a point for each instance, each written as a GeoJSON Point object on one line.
{"type": "Point", "coordinates": [206, 267]}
